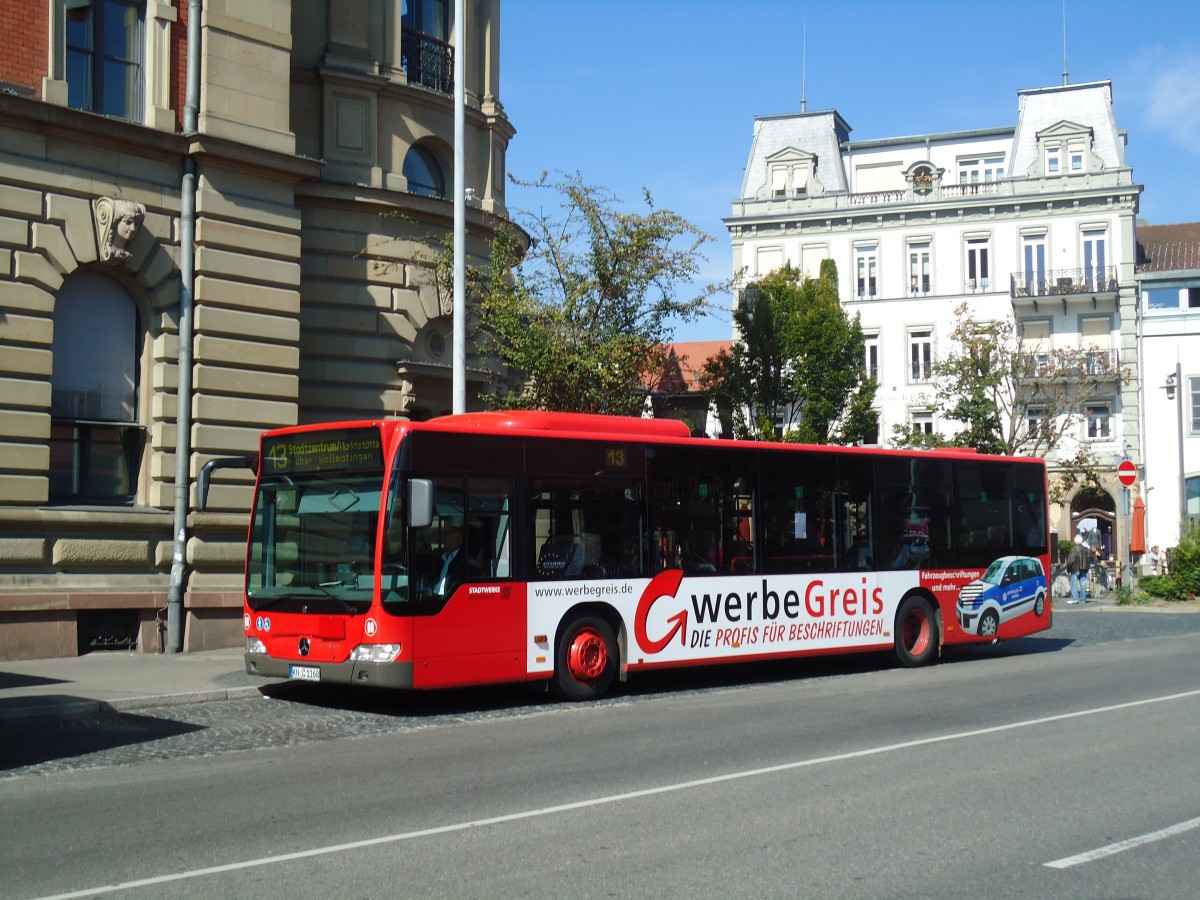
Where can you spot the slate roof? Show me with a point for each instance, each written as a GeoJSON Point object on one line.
{"type": "Point", "coordinates": [1087, 104]}
{"type": "Point", "coordinates": [819, 133]}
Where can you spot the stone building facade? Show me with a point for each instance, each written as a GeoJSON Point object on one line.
{"type": "Point", "coordinates": [309, 203]}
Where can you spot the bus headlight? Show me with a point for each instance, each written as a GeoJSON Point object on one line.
{"type": "Point", "coordinates": [375, 653]}
{"type": "Point", "coordinates": [254, 645]}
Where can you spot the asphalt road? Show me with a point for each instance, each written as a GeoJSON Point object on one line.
{"type": "Point", "coordinates": [1061, 765]}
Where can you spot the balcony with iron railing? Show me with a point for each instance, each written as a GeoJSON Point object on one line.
{"type": "Point", "coordinates": [1063, 283]}
{"type": "Point", "coordinates": [427, 61]}
{"type": "Point", "coordinates": [1101, 364]}
{"type": "Point", "coordinates": [1094, 364]}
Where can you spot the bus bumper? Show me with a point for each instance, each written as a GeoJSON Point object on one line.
{"type": "Point", "coordinates": [366, 674]}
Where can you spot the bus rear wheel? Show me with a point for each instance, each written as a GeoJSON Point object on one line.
{"type": "Point", "coordinates": [586, 661]}
{"type": "Point", "coordinates": [916, 632]}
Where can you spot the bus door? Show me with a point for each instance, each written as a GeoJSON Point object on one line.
{"type": "Point", "coordinates": [468, 615]}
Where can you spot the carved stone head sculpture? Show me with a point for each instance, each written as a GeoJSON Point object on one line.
{"type": "Point", "coordinates": [117, 223]}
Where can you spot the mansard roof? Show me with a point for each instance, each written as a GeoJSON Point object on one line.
{"type": "Point", "coordinates": [1051, 110]}
{"type": "Point", "coordinates": [817, 133]}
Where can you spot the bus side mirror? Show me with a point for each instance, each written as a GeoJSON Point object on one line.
{"type": "Point", "coordinates": [420, 502]}
{"type": "Point", "coordinates": [222, 462]}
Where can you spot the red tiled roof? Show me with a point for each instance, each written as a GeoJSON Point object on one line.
{"type": "Point", "coordinates": [685, 364]}
{"type": "Point", "coordinates": [693, 355]}
{"type": "Point", "coordinates": [1168, 248]}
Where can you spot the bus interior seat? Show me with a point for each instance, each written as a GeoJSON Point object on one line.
{"type": "Point", "coordinates": [566, 556]}
{"type": "Point", "coordinates": [741, 565]}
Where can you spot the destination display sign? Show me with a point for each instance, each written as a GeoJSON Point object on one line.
{"type": "Point", "coordinates": [345, 449]}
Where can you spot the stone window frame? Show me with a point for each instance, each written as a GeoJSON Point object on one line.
{"type": "Point", "coordinates": [158, 17]}
{"type": "Point", "coordinates": [1098, 421]}
{"type": "Point", "coordinates": [867, 270]}
{"type": "Point", "coordinates": [921, 353]}
{"type": "Point", "coordinates": [131, 432]}
{"type": "Point", "coordinates": [432, 160]}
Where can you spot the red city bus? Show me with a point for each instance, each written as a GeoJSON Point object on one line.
{"type": "Point", "coordinates": [575, 549]}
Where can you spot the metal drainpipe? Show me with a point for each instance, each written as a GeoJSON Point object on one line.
{"type": "Point", "coordinates": [187, 268]}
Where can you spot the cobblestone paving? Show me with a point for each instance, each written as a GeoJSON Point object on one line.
{"type": "Point", "coordinates": [40, 746]}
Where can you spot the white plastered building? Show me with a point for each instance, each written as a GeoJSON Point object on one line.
{"type": "Point", "coordinates": [1168, 275]}
{"type": "Point", "coordinates": [1034, 219]}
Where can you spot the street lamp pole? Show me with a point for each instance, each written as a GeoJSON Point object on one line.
{"type": "Point", "coordinates": [458, 369]}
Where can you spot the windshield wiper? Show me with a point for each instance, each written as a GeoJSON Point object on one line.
{"type": "Point", "coordinates": [327, 587]}
{"type": "Point", "coordinates": [293, 593]}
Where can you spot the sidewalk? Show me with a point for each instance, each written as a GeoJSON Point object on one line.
{"type": "Point", "coordinates": [119, 680]}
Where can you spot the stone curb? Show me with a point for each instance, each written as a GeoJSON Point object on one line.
{"type": "Point", "coordinates": [126, 704]}
{"type": "Point", "coordinates": [1166, 610]}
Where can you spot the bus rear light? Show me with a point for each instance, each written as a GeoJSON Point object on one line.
{"type": "Point", "coordinates": [375, 653]}
{"type": "Point", "coordinates": [254, 645]}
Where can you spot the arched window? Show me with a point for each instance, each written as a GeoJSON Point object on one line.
{"type": "Point", "coordinates": [424, 174]}
{"type": "Point", "coordinates": [95, 439]}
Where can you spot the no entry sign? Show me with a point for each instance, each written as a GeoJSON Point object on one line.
{"type": "Point", "coordinates": [1127, 473]}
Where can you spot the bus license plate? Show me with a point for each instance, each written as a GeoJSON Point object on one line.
{"type": "Point", "coordinates": [304, 673]}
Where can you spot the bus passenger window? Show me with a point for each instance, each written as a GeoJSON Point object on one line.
{"type": "Point", "coordinates": [587, 528]}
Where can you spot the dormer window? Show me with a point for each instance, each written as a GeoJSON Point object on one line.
{"type": "Point", "coordinates": [1053, 160]}
{"type": "Point", "coordinates": [789, 181]}
{"type": "Point", "coordinates": [790, 173]}
{"type": "Point", "coordinates": [779, 181]}
{"type": "Point", "coordinates": [1065, 147]}
{"type": "Point", "coordinates": [1075, 156]}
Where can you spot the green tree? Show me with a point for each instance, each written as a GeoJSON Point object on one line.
{"type": "Point", "coordinates": [799, 361]}
{"type": "Point", "coordinates": [588, 310]}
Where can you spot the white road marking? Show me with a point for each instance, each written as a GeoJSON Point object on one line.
{"type": "Point", "coordinates": [1100, 852]}
{"type": "Point", "coordinates": [603, 801]}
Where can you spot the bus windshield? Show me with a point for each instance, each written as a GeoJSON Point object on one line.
{"type": "Point", "coordinates": [312, 542]}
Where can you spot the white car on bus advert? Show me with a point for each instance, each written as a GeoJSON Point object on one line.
{"type": "Point", "coordinates": [1011, 586]}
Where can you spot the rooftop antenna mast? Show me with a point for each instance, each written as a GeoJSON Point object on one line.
{"type": "Point", "coordinates": [804, 70]}
{"type": "Point", "coordinates": [1065, 79]}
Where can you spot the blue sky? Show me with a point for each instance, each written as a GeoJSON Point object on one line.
{"type": "Point", "coordinates": [662, 94]}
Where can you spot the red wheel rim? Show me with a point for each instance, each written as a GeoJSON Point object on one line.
{"type": "Point", "coordinates": [916, 631]}
{"type": "Point", "coordinates": [587, 657]}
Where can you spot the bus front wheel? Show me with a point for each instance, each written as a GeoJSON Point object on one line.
{"type": "Point", "coordinates": [916, 632]}
{"type": "Point", "coordinates": [586, 661]}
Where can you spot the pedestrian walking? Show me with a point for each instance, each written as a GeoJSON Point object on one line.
{"type": "Point", "coordinates": [1079, 560]}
